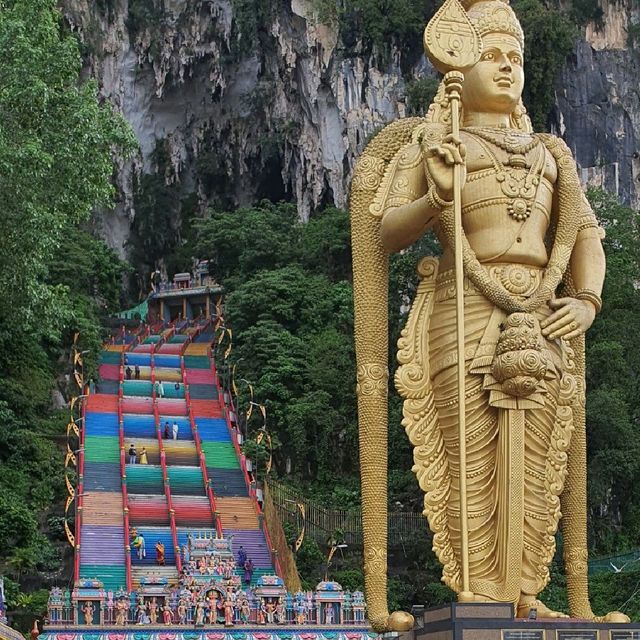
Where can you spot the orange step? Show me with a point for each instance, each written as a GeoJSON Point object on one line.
{"type": "Point", "coordinates": [237, 513]}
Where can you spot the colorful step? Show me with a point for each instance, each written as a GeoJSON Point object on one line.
{"type": "Point", "coordinates": [102, 544]}
{"type": "Point", "coordinates": [102, 403]}
{"type": "Point", "coordinates": [102, 508]}
{"type": "Point", "coordinates": [237, 513]}
{"type": "Point", "coordinates": [151, 536]}
{"type": "Point", "coordinates": [181, 452]}
{"type": "Point", "coordinates": [220, 455]}
{"type": "Point", "coordinates": [144, 479]}
{"type": "Point", "coordinates": [192, 511]}
{"type": "Point", "coordinates": [186, 481]}
{"type": "Point", "coordinates": [253, 543]}
{"type": "Point", "coordinates": [112, 576]}
{"type": "Point", "coordinates": [213, 429]}
{"type": "Point", "coordinates": [102, 476]}
{"type": "Point", "coordinates": [203, 392]}
{"type": "Point", "coordinates": [101, 424]}
{"type": "Point", "coordinates": [227, 482]}
{"type": "Point", "coordinates": [148, 510]}
{"type": "Point", "coordinates": [101, 449]}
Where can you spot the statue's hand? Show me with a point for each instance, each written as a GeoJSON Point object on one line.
{"type": "Point", "coordinates": [571, 318]}
{"type": "Point", "coordinates": [440, 160]}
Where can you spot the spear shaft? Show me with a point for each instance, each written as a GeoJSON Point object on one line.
{"type": "Point", "coordinates": [453, 87]}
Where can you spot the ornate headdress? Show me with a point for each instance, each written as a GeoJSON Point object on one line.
{"type": "Point", "coordinates": [452, 39]}
{"type": "Point", "coordinates": [495, 16]}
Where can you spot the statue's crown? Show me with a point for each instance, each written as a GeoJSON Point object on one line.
{"type": "Point", "coordinates": [494, 16]}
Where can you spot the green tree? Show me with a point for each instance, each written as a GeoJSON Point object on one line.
{"type": "Point", "coordinates": [56, 144]}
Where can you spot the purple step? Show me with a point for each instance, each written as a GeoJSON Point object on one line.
{"type": "Point", "coordinates": [253, 542]}
{"type": "Point", "coordinates": [101, 544]}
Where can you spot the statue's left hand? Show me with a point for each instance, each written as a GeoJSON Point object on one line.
{"type": "Point", "coordinates": [571, 318]}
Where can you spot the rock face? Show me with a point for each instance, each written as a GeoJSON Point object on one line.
{"type": "Point", "coordinates": [284, 112]}
{"type": "Point", "coordinates": [598, 105]}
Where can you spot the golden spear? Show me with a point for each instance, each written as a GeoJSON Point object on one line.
{"type": "Point", "coordinates": [452, 44]}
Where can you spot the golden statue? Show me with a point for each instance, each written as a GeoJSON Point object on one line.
{"type": "Point", "coordinates": [494, 344]}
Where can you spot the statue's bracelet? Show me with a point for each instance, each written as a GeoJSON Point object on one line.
{"type": "Point", "coordinates": [436, 201]}
{"type": "Point", "coordinates": [590, 296]}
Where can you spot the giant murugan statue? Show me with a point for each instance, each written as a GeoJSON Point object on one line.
{"type": "Point", "coordinates": [531, 269]}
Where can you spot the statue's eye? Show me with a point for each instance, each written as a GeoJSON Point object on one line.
{"type": "Point", "coordinates": [516, 59]}
{"type": "Point", "coordinates": [488, 56]}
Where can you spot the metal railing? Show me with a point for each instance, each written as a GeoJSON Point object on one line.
{"type": "Point", "coordinates": [322, 523]}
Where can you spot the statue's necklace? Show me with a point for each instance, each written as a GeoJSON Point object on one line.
{"type": "Point", "coordinates": [519, 185]}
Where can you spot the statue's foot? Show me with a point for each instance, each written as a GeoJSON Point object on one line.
{"type": "Point", "coordinates": [615, 617]}
{"type": "Point", "coordinates": [397, 621]}
{"type": "Point", "coordinates": [468, 596]}
{"type": "Point", "coordinates": [527, 603]}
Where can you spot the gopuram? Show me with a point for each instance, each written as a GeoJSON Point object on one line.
{"type": "Point", "coordinates": [491, 360]}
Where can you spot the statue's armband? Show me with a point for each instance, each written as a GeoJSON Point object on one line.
{"type": "Point", "coordinates": [404, 181]}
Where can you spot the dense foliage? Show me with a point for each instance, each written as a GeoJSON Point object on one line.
{"type": "Point", "coordinates": [56, 144]}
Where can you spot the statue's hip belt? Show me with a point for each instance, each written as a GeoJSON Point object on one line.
{"type": "Point", "coordinates": [517, 279]}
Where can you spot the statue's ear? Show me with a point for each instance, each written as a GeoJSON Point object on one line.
{"type": "Point", "coordinates": [519, 118]}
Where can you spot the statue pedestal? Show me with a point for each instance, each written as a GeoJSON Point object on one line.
{"type": "Point", "coordinates": [489, 621]}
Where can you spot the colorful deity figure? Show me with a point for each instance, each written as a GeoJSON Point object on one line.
{"type": "Point", "coordinates": [152, 607]}
{"type": "Point", "coordinates": [182, 611]}
{"type": "Point", "coordinates": [228, 612]}
{"type": "Point", "coordinates": [122, 609]}
{"type": "Point", "coordinates": [167, 617]}
{"type": "Point", "coordinates": [245, 610]}
{"type": "Point", "coordinates": [300, 610]}
{"type": "Point", "coordinates": [200, 611]}
{"type": "Point", "coordinates": [141, 611]}
{"type": "Point", "coordinates": [281, 612]}
{"type": "Point", "coordinates": [88, 610]}
{"type": "Point", "coordinates": [329, 614]}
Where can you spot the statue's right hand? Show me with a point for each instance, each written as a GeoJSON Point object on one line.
{"type": "Point", "coordinates": [440, 160]}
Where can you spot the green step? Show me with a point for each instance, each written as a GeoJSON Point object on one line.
{"type": "Point", "coordinates": [102, 449]}
{"type": "Point", "coordinates": [196, 362]}
{"type": "Point", "coordinates": [178, 338]}
{"type": "Point", "coordinates": [110, 357]}
{"type": "Point", "coordinates": [152, 339]}
{"type": "Point", "coordinates": [111, 575]}
{"type": "Point", "coordinates": [186, 480]}
{"type": "Point", "coordinates": [257, 573]}
{"type": "Point", "coordinates": [220, 455]}
{"type": "Point", "coordinates": [141, 388]}
{"type": "Point", "coordinates": [143, 478]}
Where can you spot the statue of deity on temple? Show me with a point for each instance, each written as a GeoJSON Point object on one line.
{"type": "Point", "coordinates": [492, 354]}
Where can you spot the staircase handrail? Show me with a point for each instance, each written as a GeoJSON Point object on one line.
{"type": "Point", "coordinates": [201, 456]}
{"type": "Point", "coordinates": [80, 486]}
{"type": "Point", "coordinates": [241, 458]}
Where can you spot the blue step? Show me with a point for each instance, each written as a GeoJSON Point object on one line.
{"type": "Point", "coordinates": [166, 360]}
{"type": "Point", "coordinates": [151, 536]}
{"type": "Point", "coordinates": [184, 427]}
{"type": "Point", "coordinates": [140, 359]}
{"type": "Point", "coordinates": [101, 424]}
{"type": "Point", "coordinates": [139, 426]}
{"type": "Point", "coordinates": [213, 429]}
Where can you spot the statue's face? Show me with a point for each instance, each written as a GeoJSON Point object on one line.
{"type": "Point", "coordinates": [495, 83]}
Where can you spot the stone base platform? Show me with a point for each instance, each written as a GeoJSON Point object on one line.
{"type": "Point", "coordinates": [178, 632]}
{"type": "Point", "coordinates": [489, 621]}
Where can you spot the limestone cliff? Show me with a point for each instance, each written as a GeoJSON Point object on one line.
{"type": "Point", "coordinates": [284, 114]}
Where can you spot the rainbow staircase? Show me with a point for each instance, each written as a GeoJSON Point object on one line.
{"type": "Point", "coordinates": [195, 483]}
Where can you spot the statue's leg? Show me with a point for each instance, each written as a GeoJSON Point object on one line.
{"type": "Point", "coordinates": [486, 545]}
{"type": "Point", "coordinates": [541, 505]}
